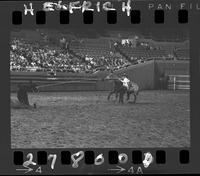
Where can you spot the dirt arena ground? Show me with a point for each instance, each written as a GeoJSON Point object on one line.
{"type": "Point", "coordinates": [87, 119]}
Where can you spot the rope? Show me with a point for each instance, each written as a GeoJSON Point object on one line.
{"type": "Point", "coordinates": [65, 82]}
{"type": "Point", "coordinates": [60, 83]}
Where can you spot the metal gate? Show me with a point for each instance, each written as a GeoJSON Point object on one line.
{"type": "Point", "coordinates": [179, 82]}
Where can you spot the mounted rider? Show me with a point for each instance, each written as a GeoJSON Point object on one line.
{"type": "Point", "coordinates": [125, 80]}
{"type": "Point", "coordinates": [121, 85]}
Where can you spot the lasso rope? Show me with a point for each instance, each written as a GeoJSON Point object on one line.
{"type": "Point", "coordinates": [59, 83]}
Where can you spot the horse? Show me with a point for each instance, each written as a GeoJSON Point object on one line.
{"type": "Point", "coordinates": [22, 96]}
{"type": "Point", "coordinates": [117, 85]}
{"type": "Point", "coordinates": [119, 88]}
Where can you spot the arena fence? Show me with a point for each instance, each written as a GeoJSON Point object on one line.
{"type": "Point", "coordinates": [179, 82]}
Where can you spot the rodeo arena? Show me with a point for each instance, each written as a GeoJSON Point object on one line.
{"type": "Point", "coordinates": [108, 88]}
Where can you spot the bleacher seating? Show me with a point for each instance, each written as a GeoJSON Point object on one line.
{"type": "Point", "coordinates": [91, 50]}
{"type": "Point", "coordinates": [100, 50]}
{"type": "Point", "coordinates": [143, 53]}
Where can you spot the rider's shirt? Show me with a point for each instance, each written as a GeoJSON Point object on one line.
{"type": "Point", "coordinates": [126, 82]}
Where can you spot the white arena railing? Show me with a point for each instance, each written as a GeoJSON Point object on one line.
{"type": "Point", "coordinates": [179, 82]}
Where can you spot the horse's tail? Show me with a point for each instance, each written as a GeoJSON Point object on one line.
{"type": "Point", "coordinates": [137, 90]}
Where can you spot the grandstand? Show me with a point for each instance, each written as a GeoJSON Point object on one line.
{"type": "Point", "coordinates": [140, 52]}
{"type": "Point", "coordinates": [91, 51]}
{"type": "Point", "coordinates": [91, 47]}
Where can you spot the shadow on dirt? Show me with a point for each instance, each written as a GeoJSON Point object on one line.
{"type": "Point", "coordinates": [140, 103]}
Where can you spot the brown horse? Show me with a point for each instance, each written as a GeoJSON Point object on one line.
{"type": "Point", "coordinates": [119, 88]}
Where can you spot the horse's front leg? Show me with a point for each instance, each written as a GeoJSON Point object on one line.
{"type": "Point", "coordinates": [128, 95]}
{"type": "Point", "coordinates": [135, 97]}
{"type": "Point", "coordinates": [121, 97]}
{"type": "Point", "coordinates": [116, 95]}
{"type": "Point", "coordinates": [110, 94]}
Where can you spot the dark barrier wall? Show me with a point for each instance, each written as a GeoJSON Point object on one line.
{"type": "Point", "coordinates": [172, 67]}
{"type": "Point", "coordinates": [44, 74]}
{"type": "Point", "coordinates": [63, 87]}
{"type": "Point", "coordinates": [71, 87]}
{"type": "Point", "coordinates": [73, 82]}
{"type": "Point", "coordinates": [104, 85]}
{"type": "Point", "coordinates": [146, 75]}
{"type": "Point", "coordinates": [142, 74]}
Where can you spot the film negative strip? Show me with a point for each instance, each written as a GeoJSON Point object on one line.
{"type": "Point", "coordinates": [100, 87]}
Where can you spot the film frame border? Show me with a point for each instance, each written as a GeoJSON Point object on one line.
{"type": "Point", "coordinates": [194, 70]}
{"type": "Point", "coordinates": [135, 16]}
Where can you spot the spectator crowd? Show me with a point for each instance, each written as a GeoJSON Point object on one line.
{"type": "Point", "coordinates": [31, 56]}
{"type": "Point", "coordinates": [85, 56]}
